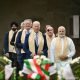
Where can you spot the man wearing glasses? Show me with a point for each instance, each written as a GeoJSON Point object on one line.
{"type": "Point", "coordinates": [49, 35]}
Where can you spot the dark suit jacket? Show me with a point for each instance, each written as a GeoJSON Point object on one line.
{"type": "Point", "coordinates": [6, 39]}
{"type": "Point", "coordinates": [26, 46]}
{"type": "Point", "coordinates": [13, 39]}
{"type": "Point", "coordinates": [18, 41]}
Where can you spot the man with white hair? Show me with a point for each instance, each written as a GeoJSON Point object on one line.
{"type": "Point", "coordinates": [61, 52]}
{"type": "Point", "coordinates": [34, 42]}
{"type": "Point", "coordinates": [21, 38]}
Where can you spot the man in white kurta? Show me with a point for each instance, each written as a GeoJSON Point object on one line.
{"type": "Point", "coordinates": [61, 52]}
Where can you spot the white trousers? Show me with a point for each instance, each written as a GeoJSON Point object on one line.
{"type": "Point", "coordinates": [64, 70]}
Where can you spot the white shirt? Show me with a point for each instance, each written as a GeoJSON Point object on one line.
{"type": "Point", "coordinates": [36, 35]}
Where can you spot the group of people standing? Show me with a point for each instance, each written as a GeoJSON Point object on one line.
{"type": "Point", "coordinates": [29, 41]}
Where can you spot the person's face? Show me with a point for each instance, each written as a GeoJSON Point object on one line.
{"type": "Point", "coordinates": [14, 27]}
{"type": "Point", "coordinates": [50, 31]}
{"type": "Point", "coordinates": [27, 25]}
{"type": "Point", "coordinates": [36, 27]}
{"type": "Point", "coordinates": [61, 32]}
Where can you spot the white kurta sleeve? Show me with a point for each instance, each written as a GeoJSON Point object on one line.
{"type": "Point", "coordinates": [71, 48]}
{"type": "Point", "coordinates": [52, 50]}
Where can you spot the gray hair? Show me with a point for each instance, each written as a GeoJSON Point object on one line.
{"type": "Point", "coordinates": [28, 20]}
{"type": "Point", "coordinates": [36, 22]}
{"type": "Point", "coordinates": [61, 27]}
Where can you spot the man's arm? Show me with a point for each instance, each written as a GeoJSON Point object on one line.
{"type": "Point", "coordinates": [26, 45]}
{"type": "Point", "coordinates": [6, 43]}
{"type": "Point", "coordinates": [45, 47]}
{"type": "Point", "coordinates": [12, 42]}
{"type": "Point", "coordinates": [72, 50]}
{"type": "Point", "coordinates": [18, 40]}
{"type": "Point", "coordinates": [52, 50]}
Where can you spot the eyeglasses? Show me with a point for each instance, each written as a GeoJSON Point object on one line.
{"type": "Point", "coordinates": [49, 30]}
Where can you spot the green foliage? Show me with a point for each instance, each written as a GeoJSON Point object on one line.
{"type": "Point", "coordinates": [2, 65]}
{"type": "Point", "coordinates": [2, 76]}
{"type": "Point", "coordinates": [54, 76]}
{"type": "Point", "coordinates": [76, 70]}
{"type": "Point", "coordinates": [3, 62]}
{"type": "Point", "coordinates": [62, 79]}
{"type": "Point", "coordinates": [21, 78]}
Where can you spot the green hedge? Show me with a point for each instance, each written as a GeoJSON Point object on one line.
{"type": "Point", "coordinates": [2, 66]}
{"type": "Point", "coordinates": [76, 70]}
{"type": "Point", "coordinates": [2, 76]}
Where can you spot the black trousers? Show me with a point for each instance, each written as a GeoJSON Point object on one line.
{"type": "Point", "coordinates": [13, 58]}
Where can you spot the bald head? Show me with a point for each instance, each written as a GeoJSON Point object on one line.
{"type": "Point", "coordinates": [49, 27]}
{"type": "Point", "coordinates": [49, 30]}
{"type": "Point", "coordinates": [61, 31]}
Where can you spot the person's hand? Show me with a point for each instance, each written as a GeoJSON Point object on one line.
{"type": "Point", "coordinates": [32, 55]}
{"type": "Point", "coordinates": [7, 54]}
{"type": "Point", "coordinates": [40, 52]}
{"type": "Point", "coordinates": [20, 73]}
{"type": "Point", "coordinates": [63, 57]}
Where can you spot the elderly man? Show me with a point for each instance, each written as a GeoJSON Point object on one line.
{"type": "Point", "coordinates": [61, 52]}
{"type": "Point", "coordinates": [21, 38]}
{"type": "Point", "coordinates": [49, 35]}
{"type": "Point", "coordinates": [34, 42]}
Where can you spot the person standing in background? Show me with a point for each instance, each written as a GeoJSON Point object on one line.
{"type": "Point", "coordinates": [8, 48]}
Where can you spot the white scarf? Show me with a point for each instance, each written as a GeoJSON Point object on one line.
{"type": "Point", "coordinates": [23, 38]}
{"type": "Point", "coordinates": [11, 48]}
{"type": "Point", "coordinates": [48, 39]}
{"type": "Point", "coordinates": [32, 42]}
{"type": "Point", "coordinates": [58, 48]}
